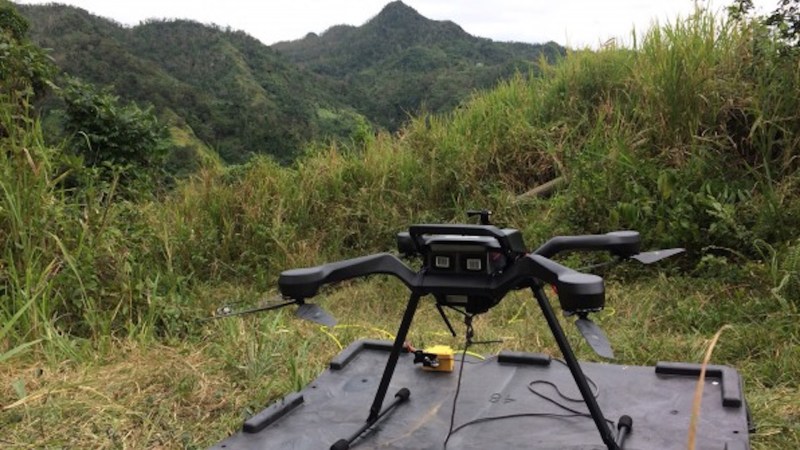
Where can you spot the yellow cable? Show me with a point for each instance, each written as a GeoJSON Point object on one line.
{"type": "Point", "coordinates": [519, 311]}
{"type": "Point", "coordinates": [473, 354]}
{"type": "Point", "coordinates": [336, 340]}
{"type": "Point", "coordinates": [330, 335]}
{"type": "Point", "coordinates": [609, 312]}
{"type": "Point", "coordinates": [365, 327]}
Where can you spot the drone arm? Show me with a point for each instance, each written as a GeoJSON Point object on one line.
{"type": "Point", "coordinates": [576, 291]}
{"type": "Point", "coordinates": [619, 243]}
{"type": "Point", "coordinates": [305, 283]}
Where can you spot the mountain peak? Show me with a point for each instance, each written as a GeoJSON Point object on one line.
{"type": "Point", "coordinates": [397, 11]}
{"type": "Point", "coordinates": [396, 7]}
{"type": "Point", "coordinates": [402, 26]}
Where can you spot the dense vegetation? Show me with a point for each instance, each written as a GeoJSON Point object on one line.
{"type": "Point", "coordinates": [224, 87]}
{"type": "Point", "coordinates": [241, 97]}
{"type": "Point", "coordinates": [400, 63]}
{"type": "Point", "coordinates": [690, 137]}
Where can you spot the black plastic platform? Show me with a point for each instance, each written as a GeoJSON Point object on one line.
{"type": "Point", "coordinates": [659, 399]}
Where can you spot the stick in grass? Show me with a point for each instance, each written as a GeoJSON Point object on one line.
{"type": "Point", "coordinates": [698, 391]}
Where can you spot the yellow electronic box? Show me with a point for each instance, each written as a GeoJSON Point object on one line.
{"type": "Point", "coordinates": [438, 358]}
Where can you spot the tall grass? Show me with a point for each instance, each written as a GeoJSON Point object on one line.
{"type": "Point", "coordinates": [29, 264]}
{"type": "Point", "coordinates": [690, 137]}
{"type": "Point", "coordinates": [75, 260]}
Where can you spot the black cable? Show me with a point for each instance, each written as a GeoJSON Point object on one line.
{"type": "Point", "coordinates": [573, 412]}
{"type": "Point", "coordinates": [595, 394]}
{"type": "Point", "coordinates": [514, 416]}
{"type": "Point", "coordinates": [467, 342]}
{"type": "Point", "coordinates": [555, 402]}
{"type": "Point", "coordinates": [464, 313]}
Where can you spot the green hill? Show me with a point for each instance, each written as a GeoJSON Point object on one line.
{"type": "Point", "coordinates": [399, 62]}
{"type": "Point", "coordinates": [241, 97]}
{"type": "Point", "coordinates": [234, 93]}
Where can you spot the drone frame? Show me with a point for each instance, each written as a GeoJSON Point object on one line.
{"type": "Point", "coordinates": [578, 292]}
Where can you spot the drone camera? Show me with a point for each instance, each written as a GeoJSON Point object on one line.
{"type": "Point", "coordinates": [457, 256]}
{"type": "Point", "coordinates": [464, 255]}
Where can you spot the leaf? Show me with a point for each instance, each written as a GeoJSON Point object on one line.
{"type": "Point", "coordinates": [18, 349]}
{"type": "Point", "coordinates": [19, 388]}
{"type": "Point", "coordinates": [665, 185]}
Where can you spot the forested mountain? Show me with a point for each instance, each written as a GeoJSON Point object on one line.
{"type": "Point", "coordinates": [235, 93]}
{"type": "Point", "coordinates": [400, 60]}
{"type": "Point", "coordinates": [242, 97]}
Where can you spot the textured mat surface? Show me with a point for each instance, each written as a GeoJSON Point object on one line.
{"type": "Point", "coordinates": [498, 406]}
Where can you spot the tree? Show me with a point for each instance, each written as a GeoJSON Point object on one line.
{"type": "Point", "coordinates": [105, 131]}
{"type": "Point", "coordinates": [784, 20]}
{"type": "Point", "coordinates": [24, 68]}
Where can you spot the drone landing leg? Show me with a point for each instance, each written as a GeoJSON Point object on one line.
{"type": "Point", "coordinates": [575, 369]}
{"type": "Point", "coordinates": [402, 395]}
{"type": "Point", "coordinates": [402, 333]}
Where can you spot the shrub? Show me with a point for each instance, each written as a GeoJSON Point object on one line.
{"type": "Point", "coordinates": [108, 134]}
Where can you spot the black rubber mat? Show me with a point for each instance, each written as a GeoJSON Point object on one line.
{"type": "Point", "coordinates": [503, 404]}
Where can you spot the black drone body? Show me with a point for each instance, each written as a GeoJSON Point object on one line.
{"type": "Point", "coordinates": [471, 268]}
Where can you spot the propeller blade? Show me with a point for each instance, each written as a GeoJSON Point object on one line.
{"type": "Point", "coordinates": [228, 311]}
{"type": "Point", "coordinates": [595, 338]}
{"type": "Point", "coordinates": [657, 255]}
{"type": "Point", "coordinates": [316, 314]}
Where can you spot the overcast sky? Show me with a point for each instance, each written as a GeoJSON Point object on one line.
{"type": "Point", "coordinates": [575, 23]}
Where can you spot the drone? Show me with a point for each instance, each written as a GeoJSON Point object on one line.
{"type": "Point", "coordinates": [471, 268]}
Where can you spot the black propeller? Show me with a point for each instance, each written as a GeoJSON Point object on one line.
{"type": "Point", "coordinates": [646, 258]}
{"type": "Point", "coordinates": [592, 333]}
{"type": "Point", "coordinates": [307, 311]}
{"type": "Point", "coordinates": [316, 314]}
{"type": "Point", "coordinates": [594, 336]}
{"type": "Point", "coordinates": [657, 255]}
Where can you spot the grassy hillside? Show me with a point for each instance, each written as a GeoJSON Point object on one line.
{"type": "Point", "coordinates": [691, 138]}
